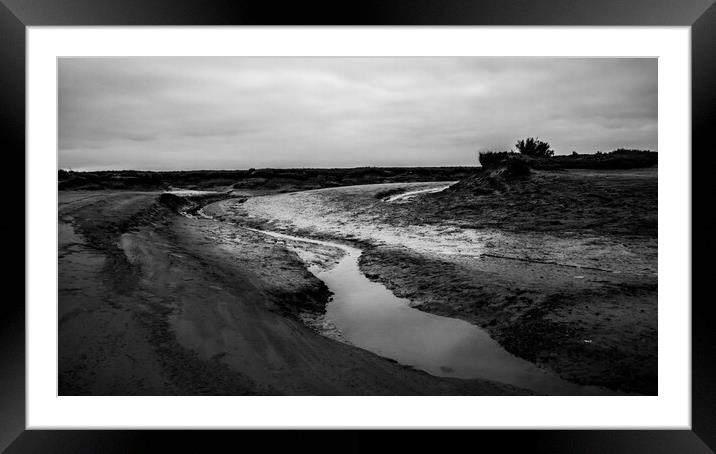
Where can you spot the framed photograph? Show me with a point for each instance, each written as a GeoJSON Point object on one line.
{"type": "Point", "coordinates": [442, 215]}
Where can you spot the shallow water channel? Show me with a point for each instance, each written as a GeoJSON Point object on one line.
{"type": "Point", "coordinates": [370, 316]}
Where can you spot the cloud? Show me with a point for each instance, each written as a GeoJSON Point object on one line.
{"type": "Point", "coordinates": [226, 112]}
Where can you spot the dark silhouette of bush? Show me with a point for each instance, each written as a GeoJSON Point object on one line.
{"type": "Point", "coordinates": [505, 164]}
{"type": "Point", "coordinates": [516, 166]}
{"type": "Point", "coordinates": [490, 158]}
{"type": "Point", "coordinates": [534, 147]}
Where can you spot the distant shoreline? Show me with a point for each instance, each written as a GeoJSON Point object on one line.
{"type": "Point", "coordinates": [294, 179]}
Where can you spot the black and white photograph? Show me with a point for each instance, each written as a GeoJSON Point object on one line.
{"type": "Point", "coordinates": [336, 226]}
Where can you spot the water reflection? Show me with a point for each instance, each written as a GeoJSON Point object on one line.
{"type": "Point", "coordinates": [371, 317]}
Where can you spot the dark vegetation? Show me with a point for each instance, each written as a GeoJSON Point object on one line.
{"type": "Point", "coordinates": [615, 160]}
{"type": "Point", "coordinates": [490, 158]}
{"type": "Point", "coordinates": [281, 180]}
{"type": "Point", "coordinates": [537, 155]}
{"type": "Point", "coordinates": [534, 147]}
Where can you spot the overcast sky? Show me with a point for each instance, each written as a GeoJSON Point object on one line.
{"type": "Point", "coordinates": [233, 113]}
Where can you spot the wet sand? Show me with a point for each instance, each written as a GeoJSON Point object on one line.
{"type": "Point", "coordinates": [155, 303]}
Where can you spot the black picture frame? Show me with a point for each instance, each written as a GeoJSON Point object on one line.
{"type": "Point", "coordinates": [700, 15]}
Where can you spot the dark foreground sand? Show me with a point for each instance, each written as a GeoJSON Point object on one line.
{"type": "Point", "coordinates": [153, 303]}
